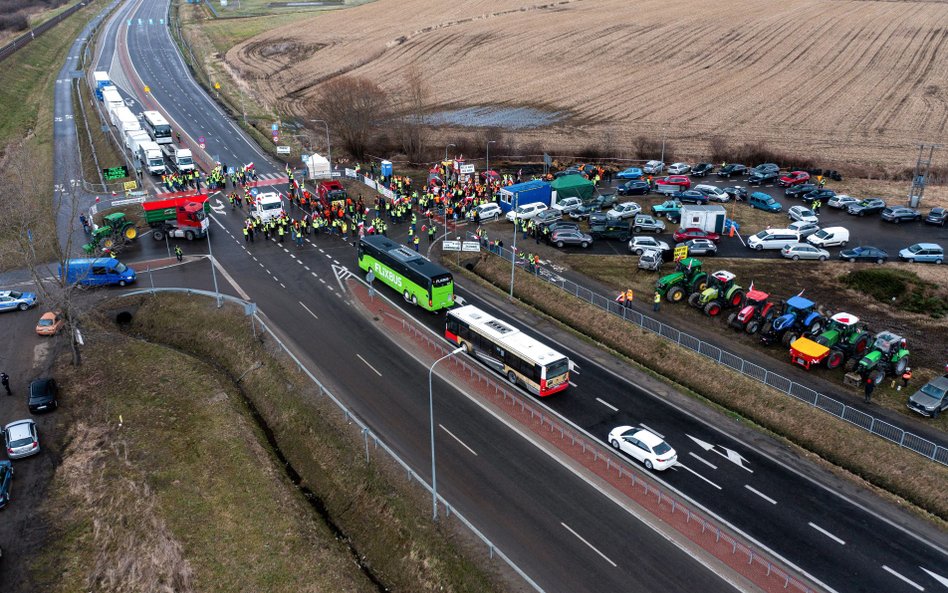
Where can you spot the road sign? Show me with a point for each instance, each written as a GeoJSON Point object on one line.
{"type": "Point", "coordinates": [202, 140]}
{"type": "Point", "coordinates": [471, 246]}
{"type": "Point", "coordinates": [467, 169]}
{"type": "Point", "coordinates": [130, 185]}
{"type": "Point", "coordinates": [147, 89]}
{"type": "Point", "coordinates": [451, 246]}
{"type": "Point", "coordinates": [681, 252]}
{"type": "Point", "coordinates": [217, 85]}
{"type": "Point", "coordinates": [202, 145]}
{"type": "Point", "coordinates": [113, 173]}
{"type": "Point", "coordinates": [274, 127]}
{"type": "Point", "coordinates": [276, 139]}
{"type": "Point", "coordinates": [283, 150]}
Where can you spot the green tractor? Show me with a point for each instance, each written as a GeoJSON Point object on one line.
{"type": "Point", "coordinates": [843, 339]}
{"type": "Point", "coordinates": [887, 356]}
{"type": "Point", "coordinates": [115, 228]}
{"type": "Point", "coordinates": [686, 278]}
{"type": "Point", "coordinates": [722, 292]}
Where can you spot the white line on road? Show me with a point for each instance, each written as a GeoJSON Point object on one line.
{"type": "Point", "coordinates": [254, 258]}
{"type": "Point", "coordinates": [898, 576]}
{"type": "Point", "coordinates": [275, 279]}
{"type": "Point", "coordinates": [607, 404]}
{"type": "Point", "coordinates": [327, 255]}
{"type": "Point", "coordinates": [454, 436]}
{"type": "Point", "coordinates": [335, 262]}
{"type": "Point", "coordinates": [307, 309]}
{"type": "Point", "coordinates": [762, 495]}
{"type": "Point", "coordinates": [827, 534]}
{"type": "Point", "coordinates": [293, 256]}
{"type": "Point", "coordinates": [573, 384]}
{"type": "Point", "coordinates": [591, 547]}
{"type": "Point", "coordinates": [307, 268]}
{"type": "Point", "coordinates": [680, 464]}
{"type": "Point", "coordinates": [314, 274]}
{"type": "Point", "coordinates": [283, 285]}
{"type": "Point", "coordinates": [368, 365]}
{"type": "Point", "coordinates": [321, 280]}
{"type": "Point", "coordinates": [321, 250]}
{"type": "Point", "coordinates": [704, 461]}
{"type": "Point", "coordinates": [299, 261]}
{"type": "Point", "coordinates": [658, 434]}
{"type": "Point", "coordinates": [935, 576]}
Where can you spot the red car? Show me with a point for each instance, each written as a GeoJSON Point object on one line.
{"type": "Point", "coordinates": [682, 235]}
{"type": "Point", "coordinates": [681, 181]}
{"type": "Point", "coordinates": [793, 178]}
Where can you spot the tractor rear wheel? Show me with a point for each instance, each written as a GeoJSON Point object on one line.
{"type": "Point", "coordinates": [675, 294]}
{"type": "Point", "coordinates": [789, 338]}
{"type": "Point", "coordinates": [835, 359]}
{"type": "Point", "coordinates": [731, 319]}
{"type": "Point", "coordinates": [129, 232]}
{"type": "Point", "coordinates": [815, 328]}
{"type": "Point", "coordinates": [861, 343]}
{"type": "Point", "coordinates": [713, 309]}
{"type": "Point", "coordinates": [694, 298]}
{"type": "Point", "coordinates": [736, 298]}
{"type": "Point", "coordinates": [752, 327]}
{"type": "Point", "coordinates": [108, 242]}
{"type": "Point", "coordinates": [900, 366]}
{"type": "Point", "coordinates": [768, 326]}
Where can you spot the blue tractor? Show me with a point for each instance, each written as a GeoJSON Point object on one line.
{"type": "Point", "coordinates": [799, 318]}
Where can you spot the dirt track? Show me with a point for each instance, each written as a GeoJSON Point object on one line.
{"type": "Point", "coordinates": [852, 80]}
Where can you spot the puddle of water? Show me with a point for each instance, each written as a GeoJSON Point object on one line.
{"type": "Point", "coordinates": [488, 116]}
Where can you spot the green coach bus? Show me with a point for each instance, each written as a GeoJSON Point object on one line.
{"type": "Point", "coordinates": [420, 281]}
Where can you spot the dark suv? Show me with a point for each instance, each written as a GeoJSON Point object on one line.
{"type": "Point", "coordinates": [732, 169]}
{"type": "Point", "coordinates": [610, 228]}
{"type": "Point", "coordinates": [43, 394]}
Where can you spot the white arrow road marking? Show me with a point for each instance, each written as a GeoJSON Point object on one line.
{"type": "Point", "coordinates": [937, 577]}
{"type": "Point", "coordinates": [591, 547]}
{"type": "Point", "coordinates": [219, 209]}
{"type": "Point", "coordinates": [732, 456]}
{"type": "Point", "coordinates": [898, 576]}
{"type": "Point", "coordinates": [735, 457]}
{"type": "Point", "coordinates": [341, 273]}
{"type": "Point", "coordinates": [680, 464]}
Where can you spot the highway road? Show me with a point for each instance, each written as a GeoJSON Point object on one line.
{"type": "Point", "coordinates": [520, 497]}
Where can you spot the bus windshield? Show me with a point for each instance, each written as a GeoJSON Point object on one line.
{"type": "Point", "coordinates": [163, 131]}
{"type": "Point", "coordinates": [557, 368]}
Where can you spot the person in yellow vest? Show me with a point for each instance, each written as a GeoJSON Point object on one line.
{"type": "Point", "coordinates": [415, 242]}
{"type": "Point", "coordinates": [657, 301]}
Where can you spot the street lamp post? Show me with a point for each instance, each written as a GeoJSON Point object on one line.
{"type": "Point", "coordinates": [213, 267]}
{"type": "Point", "coordinates": [434, 482]}
{"type": "Point", "coordinates": [513, 252]}
{"type": "Point", "coordinates": [662, 160]}
{"type": "Point", "coordinates": [328, 144]}
{"type": "Point", "coordinates": [487, 172]}
{"type": "Point", "coordinates": [446, 150]}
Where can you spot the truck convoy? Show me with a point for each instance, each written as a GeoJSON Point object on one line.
{"type": "Point", "coordinates": [149, 155]}
{"type": "Point", "coordinates": [184, 217]}
{"type": "Point", "coordinates": [180, 160]}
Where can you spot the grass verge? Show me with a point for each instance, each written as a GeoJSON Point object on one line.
{"type": "Point", "coordinates": [901, 287]}
{"type": "Point", "coordinates": [885, 465]}
{"type": "Point", "coordinates": [88, 125]}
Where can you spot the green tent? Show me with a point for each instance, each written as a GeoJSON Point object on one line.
{"type": "Point", "coordinates": [569, 186]}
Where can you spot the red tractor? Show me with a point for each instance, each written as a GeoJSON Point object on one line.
{"type": "Point", "coordinates": [757, 310]}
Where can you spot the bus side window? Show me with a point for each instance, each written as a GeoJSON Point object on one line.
{"type": "Point", "coordinates": [453, 326]}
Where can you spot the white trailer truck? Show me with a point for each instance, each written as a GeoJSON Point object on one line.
{"type": "Point", "coordinates": [151, 158]}
{"type": "Point", "coordinates": [135, 137]}
{"type": "Point", "coordinates": [179, 159]}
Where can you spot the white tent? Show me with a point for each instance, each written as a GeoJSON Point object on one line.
{"type": "Point", "coordinates": [318, 167]}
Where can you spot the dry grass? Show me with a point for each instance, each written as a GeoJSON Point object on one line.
{"type": "Point", "coordinates": [845, 81]}
{"type": "Point", "coordinates": [879, 462]}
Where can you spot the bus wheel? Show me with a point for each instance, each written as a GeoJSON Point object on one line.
{"type": "Point", "coordinates": [512, 377]}
{"type": "Point", "coordinates": [406, 296]}
{"type": "Point", "coordinates": [414, 300]}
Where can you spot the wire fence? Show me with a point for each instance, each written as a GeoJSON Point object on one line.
{"type": "Point", "coordinates": [868, 422]}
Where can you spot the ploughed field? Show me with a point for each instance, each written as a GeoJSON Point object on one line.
{"type": "Point", "coordinates": [852, 80]}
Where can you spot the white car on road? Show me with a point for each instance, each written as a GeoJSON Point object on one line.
{"type": "Point", "coordinates": [679, 168]}
{"type": "Point", "coordinates": [526, 212]}
{"type": "Point", "coordinates": [643, 445]}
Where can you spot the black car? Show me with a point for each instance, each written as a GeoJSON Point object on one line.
{"type": "Point", "coordinates": [559, 174]}
{"type": "Point", "coordinates": [732, 169]}
{"type": "Point", "coordinates": [691, 196]}
{"type": "Point", "coordinates": [547, 216]}
{"type": "Point", "coordinates": [611, 228]}
{"type": "Point", "coordinates": [795, 191]}
{"type": "Point", "coordinates": [937, 216]}
{"type": "Point", "coordinates": [864, 254]}
{"type": "Point", "coordinates": [633, 188]}
{"type": "Point", "coordinates": [870, 206]}
{"type": "Point", "coordinates": [43, 394]}
{"type": "Point", "coordinates": [766, 168]}
{"type": "Point", "coordinates": [737, 193]}
{"type": "Point", "coordinates": [819, 194]}
{"type": "Point", "coordinates": [702, 169]}
{"type": "Point", "coordinates": [762, 177]}
{"type": "Point", "coordinates": [558, 225]}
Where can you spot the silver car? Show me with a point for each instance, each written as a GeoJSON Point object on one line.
{"type": "Point", "coordinates": [638, 245]}
{"type": "Point", "coordinates": [797, 251]}
{"type": "Point", "coordinates": [804, 228]}
{"type": "Point", "coordinates": [21, 439]}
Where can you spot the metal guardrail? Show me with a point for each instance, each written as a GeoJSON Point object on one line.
{"type": "Point", "coordinates": [367, 434]}
{"type": "Point", "coordinates": [18, 43]}
{"type": "Point", "coordinates": [857, 418]}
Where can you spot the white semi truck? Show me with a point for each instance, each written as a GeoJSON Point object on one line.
{"type": "Point", "coordinates": [149, 155]}
{"type": "Point", "coordinates": [135, 137]}
{"type": "Point", "coordinates": [179, 159]}
{"type": "Point", "coordinates": [268, 205]}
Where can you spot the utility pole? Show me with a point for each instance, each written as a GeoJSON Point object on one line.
{"type": "Point", "coordinates": [920, 176]}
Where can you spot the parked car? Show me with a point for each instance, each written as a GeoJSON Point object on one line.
{"type": "Point", "coordinates": [681, 181]}
{"type": "Point", "coordinates": [931, 399]}
{"type": "Point", "coordinates": [701, 169]}
{"type": "Point", "coordinates": [870, 206]}
{"type": "Point", "coordinates": [565, 172]}
{"type": "Point", "coordinates": [567, 205]}
{"type": "Point", "coordinates": [557, 225]}
{"type": "Point", "coordinates": [937, 216]}
{"type": "Point", "coordinates": [737, 192]}
{"type": "Point", "coordinates": [691, 196]}
{"type": "Point", "coordinates": [526, 212]}
{"type": "Point", "coordinates": [43, 395]}
{"type": "Point", "coordinates": [864, 253]}
{"type": "Point", "coordinates": [829, 237]}
{"type": "Point", "coordinates": [805, 228]}
{"type": "Point", "coordinates": [699, 247]}
{"type": "Point", "coordinates": [795, 191]}
{"type": "Point", "coordinates": [6, 482]}
{"type": "Point", "coordinates": [773, 239]}
{"type": "Point", "coordinates": [671, 209]}
{"type": "Point", "coordinates": [899, 214]}
{"type": "Point", "coordinates": [605, 200]}
{"type": "Point", "coordinates": [842, 201]}
{"type": "Point", "coordinates": [764, 202]}
{"type": "Point", "coordinates": [714, 193]}
{"type": "Point", "coordinates": [616, 229]}
{"type": "Point", "coordinates": [630, 173]}
{"type": "Point", "coordinates": [547, 216]}
{"type": "Point", "coordinates": [793, 178]}
{"type": "Point", "coordinates": [772, 167]}
{"type": "Point", "coordinates": [564, 237]}
{"type": "Point", "coordinates": [679, 168]}
{"type": "Point", "coordinates": [633, 188]}
{"type": "Point", "coordinates": [50, 323]}
{"type": "Point", "coordinates": [638, 245]}
{"type": "Point", "coordinates": [802, 213]}
{"type": "Point", "coordinates": [11, 300]}
{"type": "Point", "coordinates": [489, 211]}
{"type": "Point", "coordinates": [653, 167]}
{"type": "Point", "coordinates": [923, 253]}
{"type": "Point", "coordinates": [732, 169]}
{"type": "Point", "coordinates": [682, 235]}
{"type": "Point", "coordinates": [644, 222]}
{"type": "Point", "coordinates": [624, 210]}
{"type": "Point", "coordinates": [644, 446]}
{"type": "Point", "coordinates": [762, 177]}
{"type": "Point", "coordinates": [21, 439]}
{"type": "Point", "coordinates": [824, 195]}
{"type": "Point", "coordinates": [798, 251]}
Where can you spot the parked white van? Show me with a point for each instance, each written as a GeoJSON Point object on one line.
{"type": "Point", "coordinates": [830, 237]}
{"type": "Point", "coordinates": [773, 239]}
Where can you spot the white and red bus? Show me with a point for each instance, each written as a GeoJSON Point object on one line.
{"type": "Point", "coordinates": [507, 350]}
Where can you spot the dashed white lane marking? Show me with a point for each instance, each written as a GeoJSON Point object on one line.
{"type": "Point", "coordinates": [275, 279]}
{"type": "Point", "coordinates": [607, 404]}
{"type": "Point", "coordinates": [293, 256]}
{"type": "Point", "coordinates": [761, 494]}
{"type": "Point", "coordinates": [254, 258]}
{"type": "Point", "coordinates": [307, 268]}
{"type": "Point", "coordinates": [905, 579]}
{"type": "Point", "coordinates": [658, 434]}
{"type": "Point", "coordinates": [827, 534]}
{"type": "Point", "coordinates": [682, 465]}
{"type": "Point", "coordinates": [327, 255]}
{"type": "Point", "coordinates": [323, 281]}
{"type": "Point", "coordinates": [368, 365]}
{"type": "Point", "coordinates": [591, 547]}
{"type": "Point", "coordinates": [321, 250]}
{"type": "Point", "coordinates": [454, 436]}
{"type": "Point", "coordinates": [573, 384]}
{"type": "Point", "coordinates": [314, 274]}
{"type": "Point", "coordinates": [704, 461]}
{"type": "Point", "coordinates": [299, 262]}
{"type": "Point", "coordinates": [307, 309]}
{"type": "Point", "coordinates": [335, 262]}
{"type": "Point", "coordinates": [283, 285]}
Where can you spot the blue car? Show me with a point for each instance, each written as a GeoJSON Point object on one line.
{"type": "Point", "coordinates": [630, 173]}
{"type": "Point", "coordinates": [923, 252]}
{"type": "Point", "coordinates": [10, 300]}
{"type": "Point", "coordinates": [6, 482]}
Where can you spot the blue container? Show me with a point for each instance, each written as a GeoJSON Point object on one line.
{"type": "Point", "coordinates": [386, 168]}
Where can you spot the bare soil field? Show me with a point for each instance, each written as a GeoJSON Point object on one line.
{"type": "Point", "coordinates": [848, 81]}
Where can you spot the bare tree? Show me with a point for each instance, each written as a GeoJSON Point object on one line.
{"type": "Point", "coordinates": [354, 107]}
{"type": "Point", "coordinates": [412, 131]}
